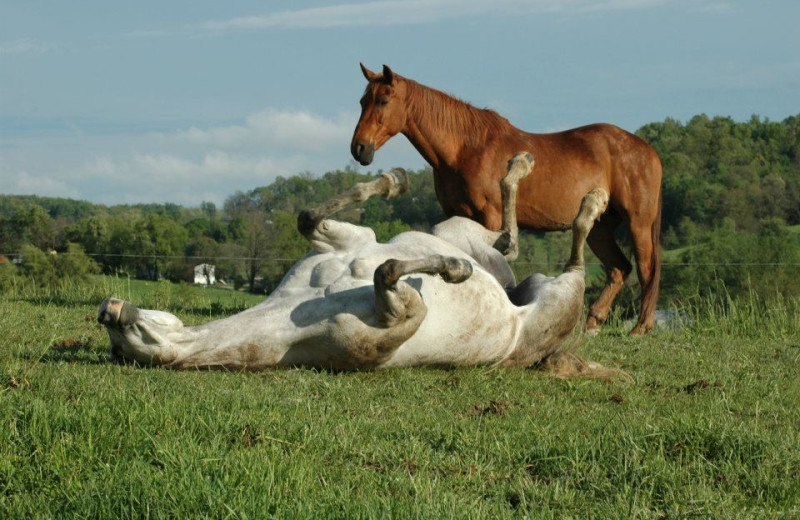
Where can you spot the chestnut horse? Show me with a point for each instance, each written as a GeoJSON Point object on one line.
{"type": "Point", "coordinates": [468, 149]}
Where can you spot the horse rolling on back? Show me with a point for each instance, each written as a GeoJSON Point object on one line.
{"type": "Point", "coordinates": [448, 298]}
{"type": "Point", "coordinates": [468, 148]}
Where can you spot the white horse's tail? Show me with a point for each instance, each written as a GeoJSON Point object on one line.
{"type": "Point", "coordinates": [567, 365]}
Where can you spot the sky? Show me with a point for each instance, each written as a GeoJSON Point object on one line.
{"type": "Point", "coordinates": [186, 101]}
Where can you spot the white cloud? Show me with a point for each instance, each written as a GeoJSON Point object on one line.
{"type": "Point", "coordinates": [279, 130]}
{"type": "Point", "coordinates": [182, 179]}
{"type": "Point", "coordinates": [23, 46]}
{"type": "Point", "coordinates": [395, 12]}
{"type": "Point", "coordinates": [187, 166]}
{"type": "Point", "coordinates": [25, 183]}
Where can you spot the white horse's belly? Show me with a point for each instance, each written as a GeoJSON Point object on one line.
{"type": "Point", "coordinates": [472, 323]}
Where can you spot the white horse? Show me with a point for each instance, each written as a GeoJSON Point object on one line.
{"type": "Point", "coordinates": [446, 298]}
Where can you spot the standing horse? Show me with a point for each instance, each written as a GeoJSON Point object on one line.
{"type": "Point", "coordinates": [468, 149]}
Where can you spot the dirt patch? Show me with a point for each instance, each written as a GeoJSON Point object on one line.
{"type": "Point", "coordinates": [13, 382]}
{"type": "Point", "coordinates": [494, 408]}
{"type": "Point", "coordinates": [701, 384]}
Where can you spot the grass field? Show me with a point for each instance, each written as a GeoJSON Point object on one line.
{"type": "Point", "coordinates": [710, 429]}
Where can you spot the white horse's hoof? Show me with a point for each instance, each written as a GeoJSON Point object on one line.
{"type": "Point", "coordinates": [114, 312]}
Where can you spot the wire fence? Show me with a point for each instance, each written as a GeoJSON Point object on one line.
{"type": "Point", "coordinates": [207, 258]}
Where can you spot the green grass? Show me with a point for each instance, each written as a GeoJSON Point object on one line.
{"type": "Point", "coordinates": [795, 230]}
{"type": "Point", "coordinates": [710, 428]}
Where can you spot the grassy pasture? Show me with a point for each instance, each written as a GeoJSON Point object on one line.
{"type": "Point", "coordinates": [710, 429]}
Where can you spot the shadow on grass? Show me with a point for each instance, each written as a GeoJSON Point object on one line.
{"type": "Point", "coordinates": [57, 301]}
{"type": "Point", "coordinates": [72, 351]}
{"type": "Point", "coordinates": [215, 310]}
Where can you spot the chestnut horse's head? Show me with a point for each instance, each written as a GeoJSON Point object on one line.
{"type": "Point", "coordinates": [382, 113]}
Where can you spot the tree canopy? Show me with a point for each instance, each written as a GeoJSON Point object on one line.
{"type": "Point", "coordinates": [731, 191]}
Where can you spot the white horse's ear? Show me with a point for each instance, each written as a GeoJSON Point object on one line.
{"type": "Point", "coordinates": [388, 75]}
{"type": "Point", "coordinates": [367, 73]}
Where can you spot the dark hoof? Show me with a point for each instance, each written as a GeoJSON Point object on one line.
{"type": "Point", "coordinates": [306, 222]}
{"type": "Point", "coordinates": [456, 270]}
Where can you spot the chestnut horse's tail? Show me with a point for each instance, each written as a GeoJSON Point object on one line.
{"type": "Point", "coordinates": [650, 290]}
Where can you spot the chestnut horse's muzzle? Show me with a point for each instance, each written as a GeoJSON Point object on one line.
{"type": "Point", "coordinates": [362, 152]}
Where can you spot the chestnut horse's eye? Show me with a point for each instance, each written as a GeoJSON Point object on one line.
{"type": "Point", "coordinates": [383, 101]}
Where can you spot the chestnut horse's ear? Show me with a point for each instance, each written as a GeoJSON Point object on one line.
{"type": "Point", "coordinates": [388, 75]}
{"type": "Point", "coordinates": [367, 73]}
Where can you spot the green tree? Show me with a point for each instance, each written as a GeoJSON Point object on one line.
{"type": "Point", "coordinates": [8, 272]}
{"type": "Point", "coordinates": [386, 230]}
{"type": "Point", "coordinates": [75, 264]}
{"type": "Point", "coordinates": [209, 209]}
{"type": "Point", "coordinates": [38, 266]}
{"type": "Point", "coordinates": [27, 223]}
{"type": "Point", "coordinates": [252, 231]}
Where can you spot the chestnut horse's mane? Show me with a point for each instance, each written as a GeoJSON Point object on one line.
{"type": "Point", "coordinates": [453, 116]}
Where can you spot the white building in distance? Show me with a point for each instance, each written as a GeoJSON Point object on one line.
{"type": "Point", "coordinates": [204, 274]}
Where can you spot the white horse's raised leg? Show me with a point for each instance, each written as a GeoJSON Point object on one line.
{"type": "Point", "coordinates": [519, 167]}
{"type": "Point", "coordinates": [395, 299]}
{"type": "Point", "coordinates": [142, 336]}
{"type": "Point", "coordinates": [364, 342]}
{"type": "Point", "coordinates": [326, 236]}
{"type": "Point", "coordinates": [492, 249]}
{"type": "Point", "coordinates": [593, 205]}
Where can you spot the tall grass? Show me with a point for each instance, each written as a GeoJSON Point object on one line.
{"type": "Point", "coordinates": [709, 430]}
{"type": "Point", "coordinates": [752, 316]}
{"type": "Point", "coordinates": [163, 295]}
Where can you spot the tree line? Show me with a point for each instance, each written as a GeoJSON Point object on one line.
{"type": "Point", "coordinates": [731, 195]}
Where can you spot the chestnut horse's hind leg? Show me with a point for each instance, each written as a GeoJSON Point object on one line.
{"type": "Point", "coordinates": [601, 241]}
{"type": "Point", "coordinates": [518, 168]}
{"type": "Point", "coordinates": [648, 269]}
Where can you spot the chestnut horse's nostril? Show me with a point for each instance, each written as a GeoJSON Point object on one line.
{"type": "Point", "coordinates": [362, 152]}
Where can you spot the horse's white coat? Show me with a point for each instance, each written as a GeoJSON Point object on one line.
{"type": "Point", "coordinates": [324, 311]}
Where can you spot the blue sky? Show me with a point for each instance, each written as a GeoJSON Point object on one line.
{"type": "Point", "coordinates": [184, 101]}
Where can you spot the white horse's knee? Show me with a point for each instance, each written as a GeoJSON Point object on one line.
{"type": "Point", "coordinates": [519, 166]}
{"type": "Point", "coordinates": [593, 205]}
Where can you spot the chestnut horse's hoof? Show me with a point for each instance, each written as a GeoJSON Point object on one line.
{"type": "Point", "coordinates": [592, 326]}
{"type": "Point", "coordinates": [640, 330]}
